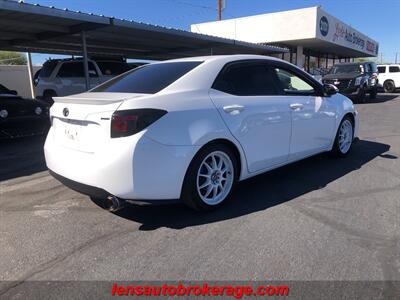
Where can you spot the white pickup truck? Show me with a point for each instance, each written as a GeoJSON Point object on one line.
{"type": "Point", "coordinates": [389, 77]}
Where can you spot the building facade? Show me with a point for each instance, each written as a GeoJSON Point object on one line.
{"type": "Point", "coordinates": [315, 39]}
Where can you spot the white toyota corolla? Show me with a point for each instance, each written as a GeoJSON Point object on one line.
{"type": "Point", "coordinates": [191, 128]}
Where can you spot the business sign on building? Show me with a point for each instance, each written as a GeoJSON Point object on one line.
{"type": "Point", "coordinates": [332, 30]}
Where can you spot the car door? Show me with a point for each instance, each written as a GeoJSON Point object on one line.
{"type": "Point", "coordinates": [313, 115]}
{"type": "Point", "coordinates": [394, 74]}
{"type": "Point", "coordinates": [258, 117]}
{"type": "Point", "coordinates": [382, 76]}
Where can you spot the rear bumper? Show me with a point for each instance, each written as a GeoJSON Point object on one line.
{"type": "Point", "coordinates": [98, 193]}
{"type": "Point", "coordinates": [132, 168]}
{"type": "Point", "coordinates": [24, 126]}
{"type": "Point", "coordinates": [85, 189]}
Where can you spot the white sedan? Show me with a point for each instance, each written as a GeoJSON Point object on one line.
{"type": "Point", "coordinates": [191, 128]}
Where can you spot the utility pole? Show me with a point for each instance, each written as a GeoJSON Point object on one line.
{"type": "Point", "coordinates": [381, 57]}
{"type": "Point", "coordinates": [396, 57]}
{"type": "Point", "coordinates": [219, 10]}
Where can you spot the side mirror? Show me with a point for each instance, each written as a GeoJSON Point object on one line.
{"type": "Point", "coordinates": [13, 92]}
{"type": "Point", "coordinates": [330, 89]}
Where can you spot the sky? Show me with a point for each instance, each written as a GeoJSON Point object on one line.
{"type": "Point", "coordinates": [379, 19]}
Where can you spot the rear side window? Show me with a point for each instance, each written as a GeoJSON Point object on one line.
{"type": "Point", "coordinates": [382, 70]}
{"type": "Point", "coordinates": [148, 79]}
{"type": "Point", "coordinates": [394, 69]}
{"type": "Point", "coordinates": [75, 69]}
{"type": "Point", "coordinates": [113, 68]}
{"type": "Point", "coordinates": [48, 68]}
{"type": "Point", "coordinates": [247, 79]}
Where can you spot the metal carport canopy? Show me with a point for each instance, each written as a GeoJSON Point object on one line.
{"type": "Point", "coordinates": [32, 28]}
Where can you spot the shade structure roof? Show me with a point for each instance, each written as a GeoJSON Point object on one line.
{"type": "Point", "coordinates": [33, 28]}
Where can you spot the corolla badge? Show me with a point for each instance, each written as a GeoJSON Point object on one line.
{"type": "Point", "coordinates": [65, 112]}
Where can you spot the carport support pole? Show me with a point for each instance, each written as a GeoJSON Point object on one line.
{"type": "Point", "coordinates": [300, 57]}
{"type": "Point", "coordinates": [30, 73]}
{"type": "Point", "coordinates": [85, 60]}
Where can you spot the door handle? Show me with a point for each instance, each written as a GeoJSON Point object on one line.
{"type": "Point", "coordinates": [296, 106]}
{"type": "Point", "coordinates": [233, 109]}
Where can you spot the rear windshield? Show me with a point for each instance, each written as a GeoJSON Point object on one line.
{"type": "Point", "coordinates": [148, 79]}
{"type": "Point", "coordinates": [48, 68]}
{"type": "Point", "coordinates": [345, 69]}
{"type": "Point", "coordinates": [113, 67]}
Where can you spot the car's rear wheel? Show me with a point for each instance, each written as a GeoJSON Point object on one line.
{"type": "Point", "coordinates": [344, 138]}
{"type": "Point", "coordinates": [389, 86]}
{"type": "Point", "coordinates": [210, 178]}
{"type": "Point", "coordinates": [361, 95]}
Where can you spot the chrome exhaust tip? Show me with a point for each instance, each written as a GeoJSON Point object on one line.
{"type": "Point", "coordinates": [114, 204]}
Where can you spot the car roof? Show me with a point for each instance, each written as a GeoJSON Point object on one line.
{"type": "Point", "coordinates": [225, 58]}
{"type": "Point", "coordinates": [80, 59]}
{"type": "Point", "coordinates": [354, 63]}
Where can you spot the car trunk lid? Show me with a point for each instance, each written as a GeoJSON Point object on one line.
{"type": "Point", "coordinates": [83, 121]}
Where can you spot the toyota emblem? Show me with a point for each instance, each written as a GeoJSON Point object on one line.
{"type": "Point", "coordinates": [65, 112]}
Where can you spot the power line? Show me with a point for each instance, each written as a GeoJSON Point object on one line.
{"type": "Point", "coordinates": [214, 9]}
{"type": "Point", "coordinates": [193, 5]}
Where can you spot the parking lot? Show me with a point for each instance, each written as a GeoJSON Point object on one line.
{"type": "Point", "coordinates": [319, 219]}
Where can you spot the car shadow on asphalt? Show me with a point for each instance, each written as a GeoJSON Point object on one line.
{"type": "Point", "coordinates": [380, 98]}
{"type": "Point", "coordinates": [263, 191]}
{"type": "Point", "coordinates": [21, 157]}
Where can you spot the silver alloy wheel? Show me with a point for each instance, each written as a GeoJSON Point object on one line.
{"type": "Point", "coordinates": [215, 178]}
{"type": "Point", "coordinates": [345, 136]}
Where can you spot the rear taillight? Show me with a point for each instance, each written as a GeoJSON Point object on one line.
{"type": "Point", "coordinates": [129, 122]}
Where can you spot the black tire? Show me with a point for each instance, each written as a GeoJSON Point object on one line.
{"type": "Point", "coordinates": [190, 195]}
{"type": "Point", "coordinates": [373, 93]}
{"type": "Point", "coordinates": [48, 96]}
{"type": "Point", "coordinates": [336, 150]}
{"type": "Point", "coordinates": [361, 95]}
{"type": "Point", "coordinates": [389, 86]}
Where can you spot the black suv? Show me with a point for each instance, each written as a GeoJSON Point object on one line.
{"type": "Point", "coordinates": [354, 79]}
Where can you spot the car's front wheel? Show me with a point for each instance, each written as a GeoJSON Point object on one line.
{"type": "Point", "coordinates": [344, 137]}
{"type": "Point", "coordinates": [210, 178]}
{"type": "Point", "coordinates": [373, 93]}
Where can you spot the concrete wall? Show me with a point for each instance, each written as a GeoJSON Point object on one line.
{"type": "Point", "coordinates": [16, 78]}
{"type": "Point", "coordinates": [272, 27]}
